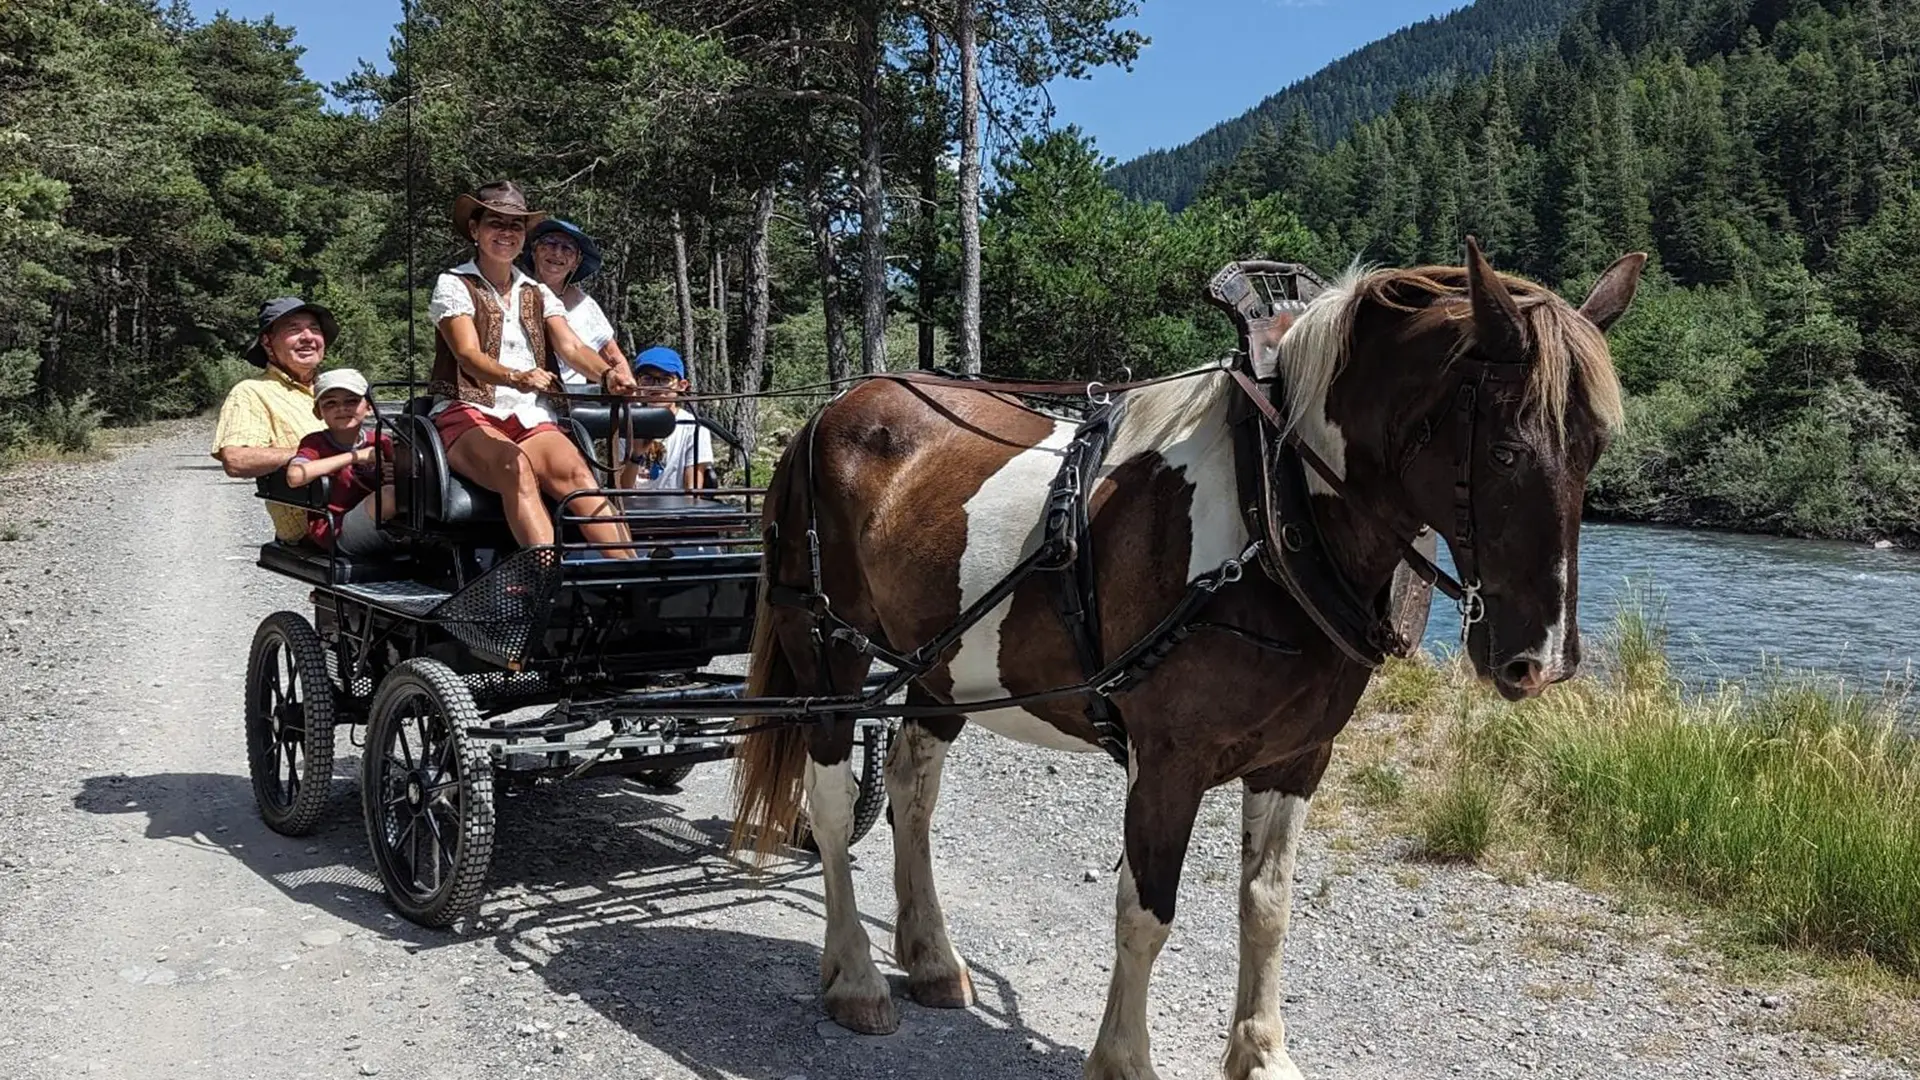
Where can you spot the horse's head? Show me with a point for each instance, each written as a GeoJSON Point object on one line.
{"type": "Point", "coordinates": [1479, 404]}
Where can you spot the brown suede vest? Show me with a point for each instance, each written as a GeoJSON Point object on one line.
{"type": "Point", "coordinates": [450, 380]}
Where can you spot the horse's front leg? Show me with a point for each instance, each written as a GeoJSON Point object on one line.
{"type": "Point", "coordinates": [936, 976]}
{"type": "Point", "coordinates": [1273, 811]}
{"type": "Point", "coordinates": [854, 992]}
{"type": "Point", "coordinates": [1160, 812]}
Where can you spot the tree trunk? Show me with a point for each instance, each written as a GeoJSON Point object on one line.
{"type": "Point", "coordinates": [722, 373]}
{"type": "Point", "coordinates": [935, 134]}
{"type": "Point", "coordinates": [969, 188]}
{"type": "Point", "coordinates": [753, 369]}
{"type": "Point", "coordinates": [873, 203]}
{"type": "Point", "coordinates": [820, 223]}
{"type": "Point", "coordinates": [683, 289]}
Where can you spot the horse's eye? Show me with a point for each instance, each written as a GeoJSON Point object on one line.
{"type": "Point", "coordinates": [1505, 455]}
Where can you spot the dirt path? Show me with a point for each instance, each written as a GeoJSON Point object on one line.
{"type": "Point", "coordinates": [151, 927]}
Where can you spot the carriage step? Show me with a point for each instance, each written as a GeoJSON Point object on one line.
{"type": "Point", "coordinates": [407, 597]}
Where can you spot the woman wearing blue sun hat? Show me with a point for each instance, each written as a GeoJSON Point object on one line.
{"type": "Point", "coordinates": [561, 255]}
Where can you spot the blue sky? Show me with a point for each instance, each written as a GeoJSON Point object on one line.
{"type": "Point", "coordinates": [1210, 60]}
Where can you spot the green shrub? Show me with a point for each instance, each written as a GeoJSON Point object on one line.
{"type": "Point", "coordinates": [73, 424]}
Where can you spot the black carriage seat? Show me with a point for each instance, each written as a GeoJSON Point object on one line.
{"type": "Point", "coordinates": [593, 421]}
{"type": "Point", "coordinates": [423, 478]}
{"type": "Point", "coordinates": [309, 563]}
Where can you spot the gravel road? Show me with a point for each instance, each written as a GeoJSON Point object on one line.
{"type": "Point", "coordinates": [151, 927]}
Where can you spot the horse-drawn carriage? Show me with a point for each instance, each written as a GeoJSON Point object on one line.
{"type": "Point", "coordinates": [471, 664]}
{"type": "Point", "coordinates": [1284, 507]}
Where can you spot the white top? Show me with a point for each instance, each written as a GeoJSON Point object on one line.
{"type": "Point", "coordinates": [689, 445]}
{"type": "Point", "coordinates": [590, 325]}
{"type": "Point", "coordinates": [450, 298]}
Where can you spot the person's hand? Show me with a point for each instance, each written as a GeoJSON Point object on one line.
{"type": "Point", "coordinates": [534, 381]}
{"type": "Point", "coordinates": [386, 471]}
{"type": "Point", "coordinates": [619, 382]}
{"type": "Point", "coordinates": [364, 455]}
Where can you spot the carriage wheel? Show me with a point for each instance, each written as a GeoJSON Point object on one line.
{"type": "Point", "coordinates": [664, 778]}
{"type": "Point", "coordinates": [289, 723]}
{"type": "Point", "coordinates": [427, 792]}
{"type": "Point", "coordinates": [870, 767]}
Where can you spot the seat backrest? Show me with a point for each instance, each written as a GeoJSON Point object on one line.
{"type": "Point", "coordinates": [597, 418]}
{"type": "Point", "coordinates": [419, 468]}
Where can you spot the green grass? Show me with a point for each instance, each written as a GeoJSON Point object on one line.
{"type": "Point", "coordinates": [1792, 806]}
{"type": "Point", "coordinates": [1405, 686]}
{"type": "Point", "coordinates": [1378, 783]}
{"type": "Point", "coordinates": [1457, 819]}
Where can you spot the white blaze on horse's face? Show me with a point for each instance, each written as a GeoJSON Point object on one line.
{"type": "Point", "coordinates": [1557, 654]}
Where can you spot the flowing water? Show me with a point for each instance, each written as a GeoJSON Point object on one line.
{"type": "Point", "coordinates": [1733, 603]}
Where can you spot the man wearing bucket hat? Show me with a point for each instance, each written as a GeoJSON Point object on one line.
{"type": "Point", "coordinates": [562, 255]}
{"type": "Point", "coordinates": [264, 418]}
{"type": "Point", "coordinates": [502, 337]}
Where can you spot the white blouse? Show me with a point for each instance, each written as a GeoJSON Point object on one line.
{"type": "Point", "coordinates": [450, 298]}
{"type": "Point", "coordinates": [590, 325]}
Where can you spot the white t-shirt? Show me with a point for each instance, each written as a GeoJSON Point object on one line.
{"type": "Point", "coordinates": [450, 298]}
{"type": "Point", "coordinates": [590, 325]}
{"type": "Point", "coordinates": [689, 445]}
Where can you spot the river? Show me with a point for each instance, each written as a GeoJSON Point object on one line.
{"type": "Point", "coordinates": [1733, 602]}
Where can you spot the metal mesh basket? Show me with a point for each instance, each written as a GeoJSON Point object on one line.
{"type": "Point", "coordinates": [499, 614]}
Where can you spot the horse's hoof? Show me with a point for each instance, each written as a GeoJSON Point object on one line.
{"type": "Point", "coordinates": [1257, 1050]}
{"type": "Point", "coordinates": [943, 990]}
{"type": "Point", "coordinates": [864, 1013]}
{"type": "Point", "coordinates": [1113, 1067]}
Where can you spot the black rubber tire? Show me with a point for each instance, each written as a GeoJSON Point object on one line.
{"type": "Point", "coordinates": [870, 768]}
{"type": "Point", "coordinates": [445, 785]}
{"type": "Point", "coordinates": [289, 724]}
{"type": "Point", "coordinates": [664, 778]}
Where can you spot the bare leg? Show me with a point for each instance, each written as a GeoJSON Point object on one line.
{"type": "Point", "coordinates": [491, 460]}
{"type": "Point", "coordinates": [562, 471]}
{"type": "Point", "coordinates": [1159, 823]}
{"type": "Point", "coordinates": [851, 986]}
{"type": "Point", "coordinates": [1270, 837]}
{"type": "Point", "coordinates": [936, 976]}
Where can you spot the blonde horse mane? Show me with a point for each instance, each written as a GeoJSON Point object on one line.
{"type": "Point", "coordinates": [1569, 352]}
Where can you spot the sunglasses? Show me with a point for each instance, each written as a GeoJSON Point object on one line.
{"type": "Point", "coordinates": [559, 242]}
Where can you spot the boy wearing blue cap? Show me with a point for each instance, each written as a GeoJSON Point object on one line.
{"type": "Point", "coordinates": [683, 460]}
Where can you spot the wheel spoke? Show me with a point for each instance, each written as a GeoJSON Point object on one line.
{"type": "Point", "coordinates": [406, 749]}
{"type": "Point", "coordinates": [439, 845]}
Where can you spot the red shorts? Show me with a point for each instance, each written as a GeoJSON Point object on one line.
{"type": "Point", "coordinates": [459, 418]}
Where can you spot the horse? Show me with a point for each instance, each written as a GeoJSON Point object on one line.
{"type": "Point", "coordinates": [916, 498]}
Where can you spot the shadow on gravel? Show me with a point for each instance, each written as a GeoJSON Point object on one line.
{"type": "Point", "coordinates": [606, 890]}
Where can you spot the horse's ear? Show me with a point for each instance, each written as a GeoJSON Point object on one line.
{"type": "Point", "coordinates": [1614, 291]}
{"type": "Point", "coordinates": [1496, 318]}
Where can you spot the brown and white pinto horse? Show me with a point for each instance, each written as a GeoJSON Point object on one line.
{"type": "Point", "coordinates": [926, 495]}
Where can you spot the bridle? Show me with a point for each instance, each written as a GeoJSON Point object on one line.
{"type": "Point", "coordinates": [1478, 377]}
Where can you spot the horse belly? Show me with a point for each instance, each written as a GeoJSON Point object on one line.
{"type": "Point", "coordinates": [1003, 527]}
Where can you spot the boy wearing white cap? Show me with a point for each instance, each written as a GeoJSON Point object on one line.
{"type": "Point", "coordinates": [344, 451]}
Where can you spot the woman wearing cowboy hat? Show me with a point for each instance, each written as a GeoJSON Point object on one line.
{"type": "Point", "coordinates": [502, 340]}
{"type": "Point", "coordinates": [561, 255]}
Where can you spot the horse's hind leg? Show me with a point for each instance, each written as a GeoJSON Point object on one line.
{"type": "Point", "coordinates": [851, 986]}
{"type": "Point", "coordinates": [1160, 812]}
{"type": "Point", "coordinates": [1272, 814]}
{"type": "Point", "coordinates": [936, 976]}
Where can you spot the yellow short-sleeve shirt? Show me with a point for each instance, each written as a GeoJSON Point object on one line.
{"type": "Point", "coordinates": [272, 410]}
